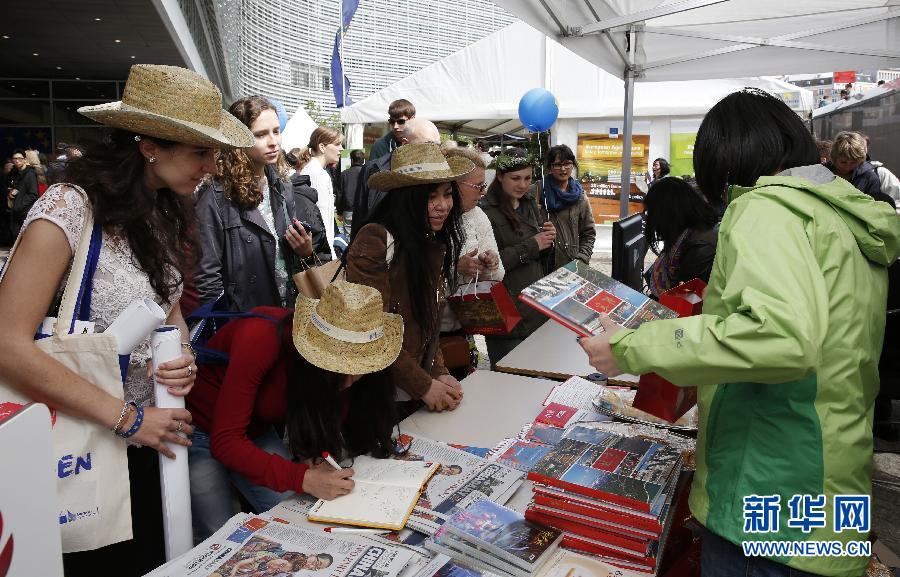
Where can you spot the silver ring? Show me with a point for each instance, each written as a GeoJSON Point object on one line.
{"type": "Point", "coordinates": [190, 370]}
{"type": "Point", "coordinates": [178, 428]}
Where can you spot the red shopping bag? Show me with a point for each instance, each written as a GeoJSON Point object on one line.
{"type": "Point", "coordinates": [484, 308]}
{"type": "Point", "coordinates": [656, 395]}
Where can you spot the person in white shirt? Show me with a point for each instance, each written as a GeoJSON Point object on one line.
{"type": "Point", "coordinates": [324, 149]}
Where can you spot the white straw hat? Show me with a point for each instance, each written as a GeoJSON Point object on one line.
{"type": "Point", "coordinates": [414, 164]}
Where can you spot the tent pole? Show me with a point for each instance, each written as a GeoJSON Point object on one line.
{"type": "Point", "coordinates": [625, 190]}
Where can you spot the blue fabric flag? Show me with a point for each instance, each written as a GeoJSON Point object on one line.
{"type": "Point", "coordinates": [340, 84]}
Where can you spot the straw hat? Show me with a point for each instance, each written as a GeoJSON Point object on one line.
{"type": "Point", "coordinates": [346, 331]}
{"type": "Point", "coordinates": [415, 164]}
{"type": "Point", "coordinates": [174, 104]}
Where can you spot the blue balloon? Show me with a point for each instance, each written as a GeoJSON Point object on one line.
{"type": "Point", "coordinates": [538, 110]}
{"type": "Point", "coordinates": [282, 113]}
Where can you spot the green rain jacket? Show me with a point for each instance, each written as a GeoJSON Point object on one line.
{"type": "Point", "coordinates": [784, 356]}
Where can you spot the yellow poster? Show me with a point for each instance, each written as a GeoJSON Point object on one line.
{"type": "Point", "coordinates": [600, 161]}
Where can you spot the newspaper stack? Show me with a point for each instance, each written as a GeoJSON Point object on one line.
{"type": "Point", "coordinates": [252, 545]}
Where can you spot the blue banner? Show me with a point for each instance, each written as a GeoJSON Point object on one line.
{"type": "Point", "coordinates": [340, 84]}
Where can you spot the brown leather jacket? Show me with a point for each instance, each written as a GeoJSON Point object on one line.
{"type": "Point", "coordinates": [367, 264]}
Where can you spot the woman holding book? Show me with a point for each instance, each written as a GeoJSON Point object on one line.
{"type": "Point", "coordinates": [408, 251]}
{"type": "Point", "coordinates": [524, 237]}
{"type": "Point", "coordinates": [320, 371]}
{"type": "Point", "coordinates": [785, 354]}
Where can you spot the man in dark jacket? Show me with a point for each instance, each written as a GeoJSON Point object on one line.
{"type": "Point", "coordinates": [22, 192]}
{"type": "Point", "coordinates": [305, 199]}
{"type": "Point", "coordinates": [399, 113]}
{"type": "Point", "coordinates": [349, 184]}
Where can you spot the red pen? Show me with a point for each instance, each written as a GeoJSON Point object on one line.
{"type": "Point", "coordinates": [330, 460]}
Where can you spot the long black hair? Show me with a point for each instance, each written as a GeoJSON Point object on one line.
{"type": "Point", "coordinates": [746, 135]}
{"type": "Point", "coordinates": [152, 221]}
{"type": "Point", "coordinates": [671, 207]}
{"type": "Point", "coordinates": [315, 418]}
{"type": "Point", "coordinates": [404, 212]}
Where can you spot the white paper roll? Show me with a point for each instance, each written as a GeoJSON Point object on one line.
{"type": "Point", "coordinates": [133, 324]}
{"type": "Point", "coordinates": [174, 477]}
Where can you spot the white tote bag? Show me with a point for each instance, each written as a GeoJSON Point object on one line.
{"type": "Point", "coordinates": [91, 463]}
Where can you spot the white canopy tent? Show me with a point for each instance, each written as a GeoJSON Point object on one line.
{"type": "Point", "coordinates": [479, 88]}
{"type": "Point", "coordinates": [648, 40]}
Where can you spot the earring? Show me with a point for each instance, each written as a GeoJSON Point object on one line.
{"type": "Point", "coordinates": [152, 159]}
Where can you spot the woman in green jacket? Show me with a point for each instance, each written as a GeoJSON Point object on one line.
{"type": "Point", "coordinates": [524, 237]}
{"type": "Point", "coordinates": [785, 353]}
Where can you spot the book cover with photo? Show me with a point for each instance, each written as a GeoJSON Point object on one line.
{"type": "Point", "coordinates": [504, 533]}
{"type": "Point", "coordinates": [518, 454]}
{"type": "Point", "coordinates": [631, 471]}
{"type": "Point", "coordinates": [576, 294]}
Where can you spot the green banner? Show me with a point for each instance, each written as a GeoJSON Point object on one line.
{"type": "Point", "coordinates": [681, 153]}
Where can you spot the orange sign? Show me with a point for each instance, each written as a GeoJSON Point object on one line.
{"type": "Point", "coordinates": [845, 77]}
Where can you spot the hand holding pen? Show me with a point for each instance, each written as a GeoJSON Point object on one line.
{"type": "Point", "coordinates": [327, 480]}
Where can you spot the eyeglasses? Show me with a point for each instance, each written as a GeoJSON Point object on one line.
{"type": "Point", "coordinates": [400, 121]}
{"type": "Point", "coordinates": [481, 187]}
{"type": "Point", "coordinates": [562, 165]}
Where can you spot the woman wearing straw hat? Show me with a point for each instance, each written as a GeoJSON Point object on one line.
{"type": "Point", "coordinates": [408, 251]}
{"type": "Point", "coordinates": [249, 232]}
{"type": "Point", "coordinates": [166, 131]}
{"type": "Point", "coordinates": [320, 371]}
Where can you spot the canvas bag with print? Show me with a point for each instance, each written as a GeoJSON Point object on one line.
{"type": "Point", "coordinates": [89, 463]}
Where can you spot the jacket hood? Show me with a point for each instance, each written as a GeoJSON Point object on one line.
{"type": "Point", "coordinates": [874, 224]}
{"type": "Point", "coordinates": [301, 184]}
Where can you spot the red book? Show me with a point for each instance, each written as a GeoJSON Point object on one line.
{"type": "Point", "coordinates": [602, 509]}
{"type": "Point", "coordinates": [625, 545]}
{"type": "Point", "coordinates": [598, 517]}
{"type": "Point", "coordinates": [631, 471]}
{"type": "Point", "coordinates": [611, 556]}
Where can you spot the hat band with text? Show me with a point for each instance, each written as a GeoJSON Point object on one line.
{"type": "Point", "coordinates": [343, 335]}
{"type": "Point", "coordinates": [423, 167]}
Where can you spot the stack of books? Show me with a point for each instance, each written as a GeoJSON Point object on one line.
{"type": "Point", "coordinates": [493, 538]}
{"type": "Point", "coordinates": [611, 495]}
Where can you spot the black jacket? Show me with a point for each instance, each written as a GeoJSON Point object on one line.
{"type": "Point", "coordinates": [865, 179]}
{"type": "Point", "coordinates": [349, 184]}
{"type": "Point", "coordinates": [26, 182]}
{"type": "Point", "coordinates": [697, 255]}
{"type": "Point", "coordinates": [237, 248]}
{"type": "Point", "coordinates": [305, 198]}
{"type": "Point", "coordinates": [365, 199]}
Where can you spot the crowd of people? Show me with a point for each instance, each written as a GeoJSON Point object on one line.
{"type": "Point", "coordinates": [214, 211]}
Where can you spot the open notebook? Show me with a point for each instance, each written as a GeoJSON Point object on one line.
{"type": "Point", "coordinates": [384, 494]}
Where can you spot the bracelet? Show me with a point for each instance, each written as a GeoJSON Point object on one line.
{"type": "Point", "coordinates": [118, 424]}
{"type": "Point", "coordinates": [138, 421]}
{"type": "Point", "coordinates": [189, 347]}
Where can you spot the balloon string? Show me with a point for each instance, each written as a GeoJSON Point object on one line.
{"type": "Point", "coordinates": [541, 161]}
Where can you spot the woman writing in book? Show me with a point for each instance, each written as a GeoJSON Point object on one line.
{"type": "Point", "coordinates": [319, 370]}
{"type": "Point", "coordinates": [786, 338]}
{"type": "Point", "coordinates": [682, 229]}
{"type": "Point", "coordinates": [133, 183]}
{"type": "Point", "coordinates": [524, 237]}
{"type": "Point", "coordinates": [245, 213]}
{"type": "Point", "coordinates": [408, 251]}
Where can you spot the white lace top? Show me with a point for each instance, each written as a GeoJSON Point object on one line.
{"type": "Point", "coordinates": [117, 282]}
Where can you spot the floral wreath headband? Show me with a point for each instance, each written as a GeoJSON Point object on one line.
{"type": "Point", "coordinates": [508, 162]}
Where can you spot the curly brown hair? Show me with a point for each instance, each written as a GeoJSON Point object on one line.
{"type": "Point", "coordinates": [234, 168]}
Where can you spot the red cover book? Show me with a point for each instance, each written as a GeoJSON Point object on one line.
{"type": "Point", "coordinates": [630, 546]}
{"type": "Point", "coordinates": [556, 415]}
{"type": "Point", "coordinates": [603, 509]}
{"type": "Point", "coordinates": [603, 519]}
{"type": "Point", "coordinates": [611, 556]}
{"type": "Point", "coordinates": [631, 471]}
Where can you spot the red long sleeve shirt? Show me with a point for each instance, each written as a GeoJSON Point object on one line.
{"type": "Point", "coordinates": [236, 402]}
